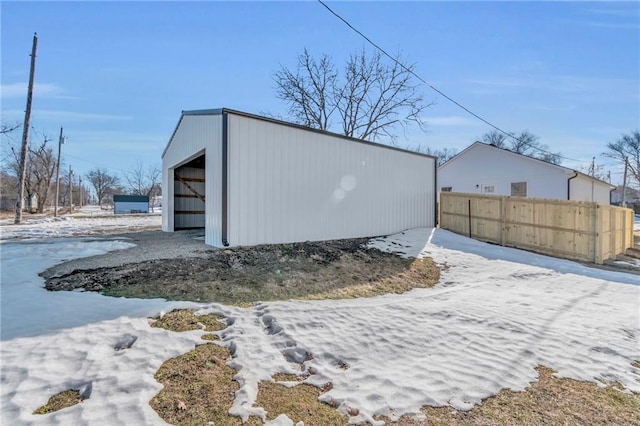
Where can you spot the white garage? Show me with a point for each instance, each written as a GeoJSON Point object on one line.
{"type": "Point", "coordinates": [251, 180]}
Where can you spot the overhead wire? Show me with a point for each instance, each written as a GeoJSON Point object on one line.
{"type": "Point", "coordinates": [435, 89]}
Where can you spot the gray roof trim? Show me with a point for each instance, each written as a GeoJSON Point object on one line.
{"type": "Point", "coordinates": [120, 198]}
{"type": "Point", "coordinates": [219, 111]}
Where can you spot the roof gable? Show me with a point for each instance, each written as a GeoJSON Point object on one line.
{"type": "Point", "coordinates": [503, 151]}
{"type": "Point", "coordinates": [220, 111]}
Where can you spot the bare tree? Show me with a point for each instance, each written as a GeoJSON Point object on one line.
{"type": "Point", "coordinates": [41, 166]}
{"type": "Point", "coordinates": [6, 129]}
{"type": "Point", "coordinates": [142, 180]}
{"type": "Point", "coordinates": [103, 183]}
{"type": "Point", "coordinates": [444, 154]}
{"type": "Point", "coordinates": [525, 143]}
{"type": "Point", "coordinates": [627, 148]}
{"type": "Point", "coordinates": [370, 100]}
{"type": "Point", "coordinates": [8, 186]}
{"type": "Point", "coordinates": [495, 138]}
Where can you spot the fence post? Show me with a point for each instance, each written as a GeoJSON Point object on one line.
{"type": "Point", "coordinates": [597, 237]}
{"type": "Point", "coordinates": [503, 220]}
{"type": "Point", "coordinates": [469, 217]}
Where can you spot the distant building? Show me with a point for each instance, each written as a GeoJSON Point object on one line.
{"type": "Point", "coordinates": [487, 169]}
{"type": "Point", "coordinates": [631, 199]}
{"type": "Point", "coordinates": [130, 204]}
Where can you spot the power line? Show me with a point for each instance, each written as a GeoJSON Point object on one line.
{"type": "Point", "coordinates": [410, 71]}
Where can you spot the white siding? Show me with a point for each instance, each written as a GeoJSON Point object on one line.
{"type": "Point", "coordinates": [585, 189]}
{"type": "Point", "coordinates": [288, 184]}
{"type": "Point", "coordinates": [483, 165]}
{"type": "Point", "coordinates": [125, 207]}
{"type": "Point", "coordinates": [195, 135]}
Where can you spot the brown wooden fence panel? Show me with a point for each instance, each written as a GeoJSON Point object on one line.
{"type": "Point", "coordinates": [576, 230]}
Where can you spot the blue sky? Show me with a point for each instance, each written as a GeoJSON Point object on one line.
{"type": "Point", "coordinates": [117, 75]}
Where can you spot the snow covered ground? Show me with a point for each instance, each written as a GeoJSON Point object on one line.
{"type": "Point", "coordinates": [496, 314]}
{"type": "Point", "coordinates": [87, 221]}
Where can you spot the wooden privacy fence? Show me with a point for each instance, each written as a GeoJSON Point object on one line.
{"type": "Point", "coordinates": [585, 231]}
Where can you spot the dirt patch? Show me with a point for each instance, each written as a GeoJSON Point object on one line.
{"type": "Point", "coordinates": [329, 269]}
{"type": "Point", "coordinates": [59, 401]}
{"type": "Point", "coordinates": [300, 403]}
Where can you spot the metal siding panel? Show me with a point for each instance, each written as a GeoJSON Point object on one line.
{"type": "Point", "coordinates": [194, 135]}
{"type": "Point", "coordinates": [294, 185]}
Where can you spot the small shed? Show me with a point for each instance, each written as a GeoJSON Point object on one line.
{"type": "Point", "coordinates": [251, 180]}
{"type": "Point", "coordinates": [487, 169]}
{"type": "Point", "coordinates": [130, 204]}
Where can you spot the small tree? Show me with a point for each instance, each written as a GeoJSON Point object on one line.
{"type": "Point", "coordinates": [368, 100]}
{"type": "Point", "coordinates": [444, 154]}
{"type": "Point", "coordinates": [142, 180]}
{"type": "Point", "coordinates": [627, 148]}
{"type": "Point", "coordinates": [41, 166]}
{"type": "Point", "coordinates": [103, 183]}
{"type": "Point", "coordinates": [42, 163]}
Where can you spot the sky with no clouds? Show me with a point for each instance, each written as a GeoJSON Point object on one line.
{"type": "Point", "coordinates": [117, 75]}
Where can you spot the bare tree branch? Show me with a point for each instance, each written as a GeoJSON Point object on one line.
{"type": "Point", "coordinates": [525, 143]}
{"type": "Point", "coordinates": [627, 147]}
{"type": "Point", "coordinates": [371, 98]}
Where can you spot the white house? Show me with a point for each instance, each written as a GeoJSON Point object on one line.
{"type": "Point", "coordinates": [487, 169]}
{"type": "Point", "coordinates": [251, 180]}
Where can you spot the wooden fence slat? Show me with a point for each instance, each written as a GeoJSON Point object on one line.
{"type": "Point", "coordinates": [570, 229]}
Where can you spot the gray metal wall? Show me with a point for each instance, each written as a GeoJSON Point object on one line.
{"type": "Point", "coordinates": [288, 184]}
{"type": "Point", "coordinates": [196, 135]}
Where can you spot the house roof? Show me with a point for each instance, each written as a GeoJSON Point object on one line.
{"type": "Point", "coordinates": [220, 111]}
{"type": "Point", "coordinates": [509, 152]}
{"type": "Point", "coordinates": [130, 198]}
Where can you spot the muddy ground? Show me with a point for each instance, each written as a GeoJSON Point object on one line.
{"type": "Point", "coordinates": [180, 267]}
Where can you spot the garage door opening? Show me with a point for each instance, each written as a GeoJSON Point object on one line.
{"type": "Point", "coordinates": [189, 195]}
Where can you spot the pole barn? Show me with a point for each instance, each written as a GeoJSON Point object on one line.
{"type": "Point", "coordinates": [251, 180]}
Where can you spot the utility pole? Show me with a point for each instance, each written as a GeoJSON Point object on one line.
{"type": "Point", "coordinates": [624, 183]}
{"type": "Point", "coordinates": [80, 191]}
{"type": "Point", "coordinates": [70, 189]}
{"type": "Point", "coordinates": [25, 133]}
{"type": "Point", "coordinates": [593, 167]}
{"type": "Point", "coordinates": [60, 142]}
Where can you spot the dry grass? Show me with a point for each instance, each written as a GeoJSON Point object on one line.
{"type": "Point", "coordinates": [421, 273]}
{"type": "Point", "coordinates": [210, 337]}
{"type": "Point", "coordinates": [299, 403]}
{"type": "Point", "coordinates": [59, 401]}
{"type": "Point", "coordinates": [184, 320]}
{"type": "Point", "coordinates": [549, 401]}
{"type": "Point", "coordinates": [198, 389]}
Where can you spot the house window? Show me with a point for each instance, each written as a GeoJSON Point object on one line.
{"type": "Point", "coordinates": [488, 189]}
{"type": "Point", "coordinates": [446, 188]}
{"type": "Point", "coordinates": [518, 189]}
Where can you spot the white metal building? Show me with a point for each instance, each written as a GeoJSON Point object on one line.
{"type": "Point", "coordinates": [487, 169]}
{"type": "Point", "coordinates": [253, 180]}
